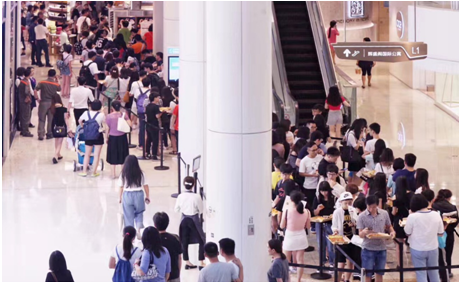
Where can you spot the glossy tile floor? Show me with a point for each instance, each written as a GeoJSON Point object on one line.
{"type": "Point", "coordinates": [48, 207]}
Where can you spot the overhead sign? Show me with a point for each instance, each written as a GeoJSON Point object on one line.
{"type": "Point", "coordinates": [381, 51]}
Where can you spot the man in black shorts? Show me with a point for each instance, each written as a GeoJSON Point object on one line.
{"type": "Point", "coordinates": [366, 67]}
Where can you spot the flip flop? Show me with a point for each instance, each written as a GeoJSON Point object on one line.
{"type": "Point", "coordinates": [83, 174]}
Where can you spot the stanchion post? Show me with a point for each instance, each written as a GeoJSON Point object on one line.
{"type": "Point", "coordinates": [175, 195]}
{"type": "Point", "coordinates": [321, 275]}
{"type": "Point", "coordinates": [161, 166]}
{"type": "Point", "coordinates": [195, 175]}
{"type": "Point", "coordinates": [401, 261]}
{"type": "Point", "coordinates": [336, 265]}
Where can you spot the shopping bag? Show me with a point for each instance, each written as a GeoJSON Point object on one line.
{"type": "Point", "coordinates": [123, 125]}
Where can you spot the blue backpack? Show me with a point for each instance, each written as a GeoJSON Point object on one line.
{"type": "Point", "coordinates": [140, 103]}
{"type": "Point", "coordinates": [91, 128]}
{"type": "Point", "coordinates": [123, 269]}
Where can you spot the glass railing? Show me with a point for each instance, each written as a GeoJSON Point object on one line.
{"type": "Point", "coordinates": [348, 88]}
{"type": "Point", "coordinates": [448, 5]}
{"type": "Point", "coordinates": [280, 81]}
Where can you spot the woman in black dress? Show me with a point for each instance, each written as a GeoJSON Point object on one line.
{"type": "Point", "coordinates": [401, 206]}
{"type": "Point", "coordinates": [59, 125]}
{"type": "Point", "coordinates": [58, 269]}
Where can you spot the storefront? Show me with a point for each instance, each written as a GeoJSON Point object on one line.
{"type": "Point", "coordinates": [11, 38]}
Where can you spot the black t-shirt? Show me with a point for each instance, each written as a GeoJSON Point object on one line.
{"type": "Point", "coordinates": [403, 205]}
{"type": "Point", "coordinates": [322, 167]}
{"type": "Point", "coordinates": [100, 62]}
{"type": "Point", "coordinates": [151, 111]}
{"type": "Point", "coordinates": [320, 122]}
{"type": "Point", "coordinates": [59, 116]}
{"type": "Point", "coordinates": [100, 42]}
{"type": "Point", "coordinates": [174, 246]}
{"type": "Point", "coordinates": [154, 78]}
{"type": "Point", "coordinates": [65, 276]}
{"type": "Point", "coordinates": [329, 206]}
{"type": "Point", "coordinates": [110, 65]}
{"type": "Point", "coordinates": [159, 63]}
{"type": "Point", "coordinates": [150, 59]}
{"type": "Point", "coordinates": [347, 224]}
{"type": "Point", "coordinates": [283, 189]}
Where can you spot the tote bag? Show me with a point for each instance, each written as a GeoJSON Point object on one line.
{"type": "Point", "coordinates": [122, 124]}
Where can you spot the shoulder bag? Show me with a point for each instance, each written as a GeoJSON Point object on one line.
{"type": "Point", "coordinates": [348, 154]}
{"type": "Point", "coordinates": [122, 124]}
{"type": "Point", "coordinates": [152, 272]}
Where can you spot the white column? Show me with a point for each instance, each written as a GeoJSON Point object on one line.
{"type": "Point", "coordinates": [170, 32]}
{"type": "Point", "coordinates": [158, 26]}
{"type": "Point", "coordinates": [6, 111]}
{"type": "Point", "coordinates": [239, 129]}
{"type": "Point", "coordinates": [192, 83]}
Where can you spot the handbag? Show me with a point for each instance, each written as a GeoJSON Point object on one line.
{"type": "Point", "coordinates": [59, 131]}
{"type": "Point", "coordinates": [348, 154]}
{"type": "Point", "coordinates": [442, 240]}
{"type": "Point", "coordinates": [126, 97]}
{"type": "Point", "coordinates": [123, 125]}
{"type": "Point", "coordinates": [152, 272]}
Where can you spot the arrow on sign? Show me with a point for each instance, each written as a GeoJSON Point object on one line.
{"type": "Point", "coordinates": [347, 52]}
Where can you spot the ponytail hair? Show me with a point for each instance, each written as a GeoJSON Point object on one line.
{"type": "Point", "coordinates": [443, 195]}
{"type": "Point", "coordinates": [296, 198]}
{"type": "Point", "coordinates": [129, 233]}
{"type": "Point", "coordinates": [275, 244]}
{"type": "Point", "coordinates": [332, 24]}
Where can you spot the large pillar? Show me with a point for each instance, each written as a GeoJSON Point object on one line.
{"type": "Point", "coordinates": [192, 83]}
{"type": "Point", "coordinates": [170, 32]}
{"type": "Point", "coordinates": [158, 26]}
{"type": "Point", "coordinates": [238, 134]}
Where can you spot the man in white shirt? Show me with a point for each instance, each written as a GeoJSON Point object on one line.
{"type": "Point", "coordinates": [332, 175]}
{"type": "Point", "coordinates": [308, 168]}
{"type": "Point", "coordinates": [92, 77]}
{"type": "Point", "coordinates": [374, 129]}
{"type": "Point", "coordinates": [79, 97]}
{"type": "Point", "coordinates": [41, 32]}
{"type": "Point", "coordinates": [83, 18]}
{"type": "Point", "coordinates": [227, 251]}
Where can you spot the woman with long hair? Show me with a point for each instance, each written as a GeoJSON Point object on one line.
{"type": "Point", "coordinates": [66, 72]}
{"type": "Point", "coordinates": [354, 138]}
{"type": "Point", "coordinates": [421, 180]}
{"type": "Point", "coordinates": [374, 158]}
{"type": "Point", "coordinates": [126, 250]}
{"type": "Point", "coordinates": [299, 144]}
{"type": "Point", "coordinates": [334, 102]}
{"type": "Point", "coordinates": [155, 263]}
{"type": "Point", "coordinates": [443, 205]}
{"type": "Point", "coordinates": [58, 125]}
{"type": "Point", "coordinates": [132, 187]}
{"type": "Point", "coordinates": [120, 44]}
{"type": "Point", "coordinates": [279, 270]}
{"type": "Point", "coordinates": [112, 83]}
{"type": "Point", "coordinates": [138, 46]}
{"type": "Point", "coordinates": [58, 269]}
{"type": "Point", "coordinates": [332, 34]}
{"type": "Point", "coordinates": [117, 141]}
{"type": "Point", "coordinates": [385, 163]}
{"type": "Point", "coordinates": [378, 188]}
{"type": "Point", "coordinates": [295, 220]}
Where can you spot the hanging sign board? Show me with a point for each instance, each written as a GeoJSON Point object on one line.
{"type": "Point", "coordinates": [390, 52]}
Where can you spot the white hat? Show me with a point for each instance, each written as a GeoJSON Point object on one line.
{"type": "Point", "coordinates": [345, 196]}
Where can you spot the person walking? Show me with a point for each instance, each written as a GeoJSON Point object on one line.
{"type": "Point", "coordinates": [58, 269]}
{"type": "Point", "coordinates": [295, 220]}
{"type": "Point", "coordinates": [125, 252]}
{"type": "Point", "coordinates": [92, 115]}
{"type": "Point", "coordinates": [279, 270]}
{"type": "Point", "coordinates": [423, 228]}
{"type": "Point", "coordinates": [117, 141]}
{"type": "Point", "coordinates": [334, 102]}
{"type": "Point", "coordinates": [190, 205]}
{"type": "Point", "coordinates": [79, 97]}
{"type": "Point", "coordinates": [59, 125]}
{"type": "Point", "coordinates": [171, 242]}
{"type": "Point", "coordinates": [66, 70]}
{"type": "Point", "coordinates": [366, 68]}
{"type": "Point", "coordinates": [155, 263]}
{"type": "Point", "coordinates": [48, 88]}
{"type": "Point", "coordinates": [132, 188]}
{"type": "Point", "coordinates": [41, 32]}
{"type": "Point", "coordinates": [332, 34]}
{"type": "Point", "coordinates": [25, 100]}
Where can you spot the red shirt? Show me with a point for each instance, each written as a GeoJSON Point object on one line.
{"type": "Point", "coordinates": [176, 113]}
{"type": "Point", "coordinates": [335, 108]}
{"type": "Point", "coordinates": [333, 38]}
{"type": "Point", "coordinates": [148, 37]}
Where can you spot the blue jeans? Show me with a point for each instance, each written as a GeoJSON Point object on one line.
{"type": "Point", "coordinates": [141, 130]}
{"type": "Point", "coordinates": [425, 259]}
{"type": "Point", "coordinates": [133, 208]}
{"type": "Point", "coordinates": [327, 230]}
{"type": "Point", "coordinates": [373, 260]}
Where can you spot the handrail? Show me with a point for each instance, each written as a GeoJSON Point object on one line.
{"type": "Point", "coordinates": [290, 104]}
{"type": "Point", "coordinates": [348, 88]}
{"type": "Point", "coordinates": [322, 45]}
{"type": "Point", "coordinates": [278, 103]}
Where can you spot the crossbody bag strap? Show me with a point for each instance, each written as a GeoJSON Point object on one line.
{"type": "Point", "coordinates": [54, 276]}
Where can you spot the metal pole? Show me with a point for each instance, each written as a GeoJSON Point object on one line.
{"type": "Point", "coordinates": [195, 175]}
{"type": "Point", "coordinates": [336, 265]}
{"type": "Point", "coordinates": [161, 166]}
{"type": "Point", "coordinates": [175, 195]}
{"type": "Point", "coordinates": [401, 261]}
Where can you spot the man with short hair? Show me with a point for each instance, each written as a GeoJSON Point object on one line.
{"type": "Point", "coordinates": [317, 138]}
{"type": "Point", "coordinates": [374, 129]}
{"type": "Point", "coordinates": [170, 242]}
{"type": "Point", "coordinates": [33, 40]}
{"type": "Point", "coordinates": [25, 99]}
{"type": "Point", "coordinates": [143, 90]}
{"type": "Point", "coordinates": [308, 168]}
{"type": "Point", "coordinates": [216, 271]}
{"type": "Point", "coordinates": [332, 154]}
{"type": "Point", "coordinates": [153, 113]}
{"type": "Point", "coordinates": [92, 76]}
{"type": "Point", "coordinates": [81, 26]}
{"type": "Point", "coordinates": [332, 177]}
{"type": "Point", "coordinates": [320, 121]}
{"type": "Point", "coordinates": [408, 172]}
{"type": "Point", "coordinates": [159, 62]}
{"type": "Point", "coordinates": [125, 31]}
{"type": "Point", "coordinates": [48, 88]}
{"type": "Point", "coordinates": [374, 254]}
{"type": "Point", "coordinates": [41, 32]}
{"type": "Point", "coordinates": [79, 97]}
{"type": "Point", "coordinates": [227, 251]}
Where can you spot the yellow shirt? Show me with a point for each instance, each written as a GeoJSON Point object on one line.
{"type": "Point", "coordinates": [276, 177]}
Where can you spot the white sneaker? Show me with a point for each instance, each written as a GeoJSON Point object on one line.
{"type": "Point", "coordinates": [293, 269]}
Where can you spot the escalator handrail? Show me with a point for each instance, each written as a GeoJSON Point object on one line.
{"type": "Point", "coordinates": [322, 45]}
{"type": "Point", "coordinates": [279, 101]}
{"type": "Point", "coordinates": [281, 65]}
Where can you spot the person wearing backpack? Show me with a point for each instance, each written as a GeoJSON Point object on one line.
{"type": "Point", "coordinates": [140, 96]}
{"type": "Point", "coordinates": [65, 66]}
{"type": "Point", "coordinates": [92, 123]}
{"type": "Point", "coordinates": [155, 263]}
{"type": "Point", "coordinates": [84, 21]}
{"type": "Point", "coordinates": [90, 71]}
{"type": "Point", "coordinates": [124, 255]}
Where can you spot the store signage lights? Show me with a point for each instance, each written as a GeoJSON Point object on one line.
{"type": "Point", "coordinates": [400, 24]}
{"type": "Point", "coordinates": [355, 9]}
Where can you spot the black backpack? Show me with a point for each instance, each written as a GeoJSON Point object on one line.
{"type": "Point", "coordinates": [86, 72]}
{"type": "Point", "coordinates": [78, 47]}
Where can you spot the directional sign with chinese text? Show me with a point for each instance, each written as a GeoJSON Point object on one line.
{"type": "Point", "coordinates": [381, 51]}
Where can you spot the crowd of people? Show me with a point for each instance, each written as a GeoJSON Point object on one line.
{"type": "Point", "coordinates": [374, 192]}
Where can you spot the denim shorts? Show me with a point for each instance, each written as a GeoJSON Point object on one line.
{"type": "Point", "coordinates": [373, 260]}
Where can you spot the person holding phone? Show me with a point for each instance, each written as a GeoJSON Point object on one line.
{"type": "Point", "coordinates": [132, 188]}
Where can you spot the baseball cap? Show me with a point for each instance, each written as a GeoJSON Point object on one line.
{"type": "Point", "coordinates": [345, 196]}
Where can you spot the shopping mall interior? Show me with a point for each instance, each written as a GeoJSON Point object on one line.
{"type": "Point", "coordinates": [93, 188]}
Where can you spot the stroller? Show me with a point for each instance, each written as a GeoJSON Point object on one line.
{"type": "Point", "coordinates": [81, 149]}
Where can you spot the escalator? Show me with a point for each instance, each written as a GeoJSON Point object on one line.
{"type": "Point", "coordinates": [307, 63]}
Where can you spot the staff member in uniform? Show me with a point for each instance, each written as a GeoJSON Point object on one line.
{"type": "Point", "coordinates": [48, 88]}
{"type": "Point", "coordinates": [24, 103]}
{"type": "Point", "coordinates": [190, 230]}
{"type": "Point", "coordinates": [79, 97]}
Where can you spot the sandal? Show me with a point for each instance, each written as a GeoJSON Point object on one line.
{"type": "Point", "coordinates": [96, 174]}
{"type": "Point", "coordinates": [83, 174]}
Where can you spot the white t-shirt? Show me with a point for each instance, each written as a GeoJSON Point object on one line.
{"type": "Point", "coordinates": [370, 145]}
{"type": "Point", "coordinates": [310, 165]}
{"type": "Point", "coordinates": [100, 117]}
{"type": "Point", "coordinates": [92, 67]}
{"type": "Point", "coordinates": [79, 97]}
{"type": "Point", "coordinates": [111, 82]}
{"type": "Point", "coordinates": [131, 189]}
{"type": "Point", "coordinates": [388, 170]}
{"type": "Point", "coordinates": [40, 32]}
{"type": "Point", "coordinates": [123, 87]}
{"type": "Point", "coordinates": [189, 203]}
{"type": "Point", "coordinates": [119, 249]}
{"type": "Point", "coordinates": [423, 228]}
{"type": "Point", "coordinates": [64, 38]}
{"type": "Point", "coordinates": [351, 139]}
{"type": "Point", "coordinates": [80, 22]}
